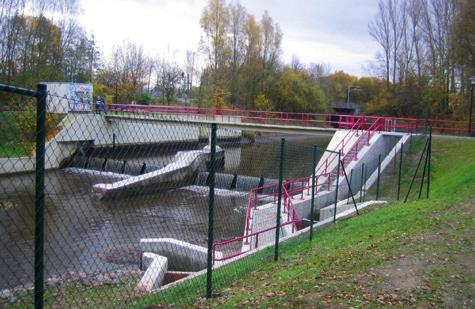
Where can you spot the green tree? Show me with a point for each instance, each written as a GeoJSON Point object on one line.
{"type": "Point", "coordinates": [295, 91]}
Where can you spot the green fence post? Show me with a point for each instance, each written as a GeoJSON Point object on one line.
{"type": "Point", "coordinates": [417, 169]}
{"type": "Point", "coordinates": [40, 194]}
{"type": "Point", "coordinates": [212, 169]}
{"type": "Point", "coordinates": [365, 179]}
{"type": "Point", "coordinates": [400, 171]}
{"type": "Point", "coordinates": [312, 205]}
{"type": "Point", "coordinates": [336, 186]}
{"type": "Point", "coordinates": [351, 180]}
{"type": "Point", "coordinates": [362, 180]}
{"type": "Point", "coordinates": [424, 172]}
{"type": "Point", "coordinates": [379, 174]}
{"type": "Point", "coordinates": [279, 200]}
{"type": "Point", "coordinates": [428, 164]}
{"type": "Point", "coordinates": [349, 188]}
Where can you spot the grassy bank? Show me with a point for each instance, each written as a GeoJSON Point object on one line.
{"type": "Point", "coordinates": [414, 254]}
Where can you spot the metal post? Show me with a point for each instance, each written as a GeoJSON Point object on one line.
{"type": "Point", "coordinates": [424, 172]}
{"type": "Point", "coordinates": [351, 180]}
{"type": "Point", "coordinates": [395, 161]}
{"type": "Point", "coordinates": [471, 108]}
{"type": "Point", "coordinates": [400, 171]}
{"type": "Point", "coordinates": [212, 169]}
{"type": "Point", "coordinates": [336, 185]}
{"type": "Point", "coordinates": [428, 163]}
{"type": "Point", "coordinates": [349, 188]}
{"type": "Point", "coordinates": [40, 194]}
{"type": "Point", "coordinates": [379, 175]}
{"type": "Point", "coordinates": [312, 205]}
{"type": "Point", "coordinates": [365, 179]}
{"type": "Point", "coordinates": [361, 184]}
{"type": "Point", "coordinates": [417, 169]}
{"type": "Point", "coordinates": [279, 200]}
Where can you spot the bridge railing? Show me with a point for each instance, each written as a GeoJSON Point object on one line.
{"type": "Point", "coordinates": [393, 124]}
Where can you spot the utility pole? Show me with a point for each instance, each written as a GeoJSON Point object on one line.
{"type": "Point", "coordinates": [472, 80]}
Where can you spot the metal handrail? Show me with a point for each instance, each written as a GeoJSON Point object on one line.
{"type": "Point", "coordinates": [241, 238]}
{"type": "Point", "coordinates": [292, 118]}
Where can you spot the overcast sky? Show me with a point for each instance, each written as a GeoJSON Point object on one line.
{"type": "Point", "coordinates": [334, 32]}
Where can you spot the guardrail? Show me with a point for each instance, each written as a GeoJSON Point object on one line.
{"type": "Point", "coordinates": [290, 191]}
{"type": "Point", "coordinates": [217, 246]}
{"type": "Point", "coordinates": [398, 124]}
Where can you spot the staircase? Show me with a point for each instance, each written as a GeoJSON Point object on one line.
{"type": "Point", "coordinates": [351, 155]}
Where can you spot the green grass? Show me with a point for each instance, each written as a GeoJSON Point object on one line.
{"type": "Point", "coordinates": [345, 264]}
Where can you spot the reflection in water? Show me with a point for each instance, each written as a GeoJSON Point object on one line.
{"type": "Point", "coordinates": [84, 234]}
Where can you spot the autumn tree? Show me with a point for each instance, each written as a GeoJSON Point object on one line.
{"type": "Point", "coordinates": [427, 53]}
{"type": "Point", "coordinates": [243, 54]}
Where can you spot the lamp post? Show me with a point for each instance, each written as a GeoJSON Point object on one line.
{"type": "Point", "coordinates": [348, 93]}
{"type": "Point", "coordinates": [472, 80]}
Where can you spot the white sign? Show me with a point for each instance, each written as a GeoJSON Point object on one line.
{"type": "Point", "coordinates": [69, 97]}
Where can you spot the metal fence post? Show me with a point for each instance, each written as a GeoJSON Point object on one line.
{"type": "Point", "coordinates": [379, 175]}
{"type": "Point", "coordinates": [428, 163]}
{"type": "Point", "coordinates": [336, 188]}
{"type": "Point", "coordinates": [361, 184]}
{"type": "Point", "coordinates": [417, 169]}
{"type": "Point", "coordinates": [400, 171]}
{"type": "Point", "coordinates": [279, 199]}
{"type": "Point", "coordinates": [40, 195]}
{"type": "Point", "coordinates": [424, 172]}
{"type": "Point", "coordinates": [349, 188]}
{"type": "Point", "coordinates": [212, 169]}
{"type": "Point", "coordinates": [365, 179]}
{"type": "Point", "coordinates": [312, 205]}
{"type": "Point", "coordinates": [351, 181]}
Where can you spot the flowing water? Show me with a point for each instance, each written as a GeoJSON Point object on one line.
{"type": "Point", "coordinates": [83, 233]}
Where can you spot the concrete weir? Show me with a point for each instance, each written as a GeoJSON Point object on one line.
{"type": "Point", "coordinates": [181, 170]}
{"type": "Point", "coordinates": [161, 254]}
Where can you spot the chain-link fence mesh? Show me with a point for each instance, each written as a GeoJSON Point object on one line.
{"type": "Point", "coordinates": [127, 200]}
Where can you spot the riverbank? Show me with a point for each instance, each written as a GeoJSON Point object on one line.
{"type": "Point", "coordinates": [417, 254]}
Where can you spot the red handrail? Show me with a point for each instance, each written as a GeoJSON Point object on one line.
{"type": "Point", "coordinates": [241, 238]}
{"type": "Point", "coordinates": [352, 132]}
{"type": "Point", "coordinates": [293, 118]}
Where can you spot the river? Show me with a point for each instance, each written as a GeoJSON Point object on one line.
{"type": "Point", "coordinates": [90, 235]}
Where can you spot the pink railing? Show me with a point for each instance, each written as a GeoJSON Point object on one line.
{"type": "Point", "coordinates": [297, 119]}
{"type": "Point", "coordinates": [237, 241]}
{"type": "Point", "coordinates": [366, 135]}
{"type": "Point", "coordinates": [289, 191]}
{"type": "Point", "coordinates": [352, 132]}
{"type": "Point", "coordinates": [289, 209]}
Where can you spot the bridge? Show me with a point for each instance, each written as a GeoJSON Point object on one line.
{"type": "Point", "coordinates": [286, 122]}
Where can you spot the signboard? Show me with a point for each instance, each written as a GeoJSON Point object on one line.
{"type": "Point", "coordinates": [69, 97]}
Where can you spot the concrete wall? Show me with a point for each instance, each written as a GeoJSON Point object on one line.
{"type": "Point", "coordinates": [181, 255]}
{"type": "Point", "coordinates": [381, 143]}
{"type": "Point", "coordinates": [100, 130]}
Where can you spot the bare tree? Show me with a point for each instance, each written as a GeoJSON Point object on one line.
{"type": "Point", "coordinates": [169, 76]}
{"type": "Point", "coordinates": [380, 30]}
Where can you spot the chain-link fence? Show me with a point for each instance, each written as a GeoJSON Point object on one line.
{"type": "Point", "coordinates": [119, 207]}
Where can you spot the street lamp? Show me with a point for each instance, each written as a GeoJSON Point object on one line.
{"type": "Point", "coordinates": [348, 93]}
{"type": "Point", "coordinates": [472, 80]}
